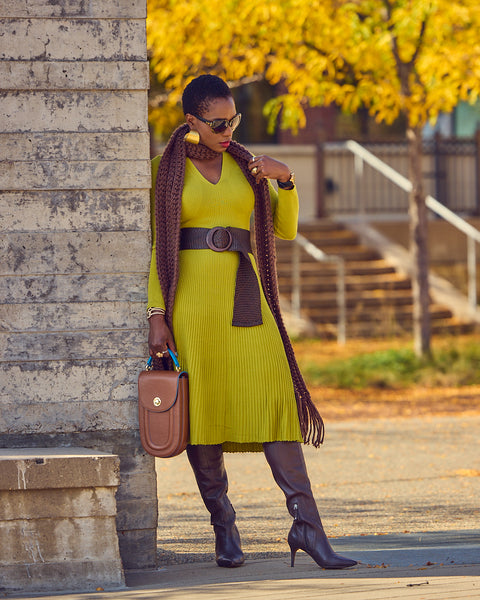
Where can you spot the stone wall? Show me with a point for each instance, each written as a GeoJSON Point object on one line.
{"type": "Point", "coordinates": [74, 239]}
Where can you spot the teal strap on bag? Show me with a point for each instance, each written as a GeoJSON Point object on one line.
{"type": "Point", "coordinates": [173, 356]}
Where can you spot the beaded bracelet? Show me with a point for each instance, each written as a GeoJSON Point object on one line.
{"type": "Point", "coordinates": [155, 310]}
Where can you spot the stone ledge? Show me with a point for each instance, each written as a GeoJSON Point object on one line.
{"type": "Point", "coordinates": [49, 468]}
{"type": "Point", "coordinates": [111, 9]}
{"type": "Point", "coordinates": [60, 145]}
{"type": "Point", "coordinates": [73, 39]}
{"type": "Point", "coordinates": [78, 75]}
{"type": "Point", "coordinates": [73, 111]}
{"type": "Point", "coordinates": [56, 503]}
{"type": "Point", "coordinates": [76, 175]}
{"type": "Point", "coordinates": [76, 345]}
{"type": "Point", "coordinates": [55, 540]}
{"type": "Point", "coordinates": [53, 577]}
{"type": "Point", "coordinates": [76, 287]}
{"type": "Point", "coordinates": [73, 252]}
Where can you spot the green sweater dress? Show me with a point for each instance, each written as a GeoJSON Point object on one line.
{"type": "Point", "coordinates": [241, 391]}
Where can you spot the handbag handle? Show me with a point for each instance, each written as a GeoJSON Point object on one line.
{"type": "Point", "coordinates": [173, 356]}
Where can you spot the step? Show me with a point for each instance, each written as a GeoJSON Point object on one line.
{"type": "Point", "coordinates": [354, 253]}
{"type": "Point", "coordinates": [368, 268]}
{"type": "Point", "coordinates": [360, 298]}
{"type": "Point", "coordinates": [331, 246]}
{"type": "Point", "coordinates": [378, 299]}
{"type": "Point", "coordinates": [378, 330]}
{"type": "Point", "coordinates": [322, 269]}
{"type": "Point", "coordinates": [400, 314]}
{"type": "Point", "coordinates": [320, 225]}
{"type": "Point", "coordinates": [328, 287]}
{"type": "Point", "coordinates": [352, 267]}
{"type": "Point", "coordinates": [359, 330]}
{"type": "Point", "coordinates": [321, 239]}
{"type": "Point", "coordinates": [313, 283]}
{"type": "Point", "coordinates": [452, 326]}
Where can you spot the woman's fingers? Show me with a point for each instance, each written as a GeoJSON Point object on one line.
{"type": "Point", "coordinates": [267, 167]}
{"type": "Point", "coordinates": [160, 337]}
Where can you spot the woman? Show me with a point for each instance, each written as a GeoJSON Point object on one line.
{"type": "Point", "coordinates": [208, 298]}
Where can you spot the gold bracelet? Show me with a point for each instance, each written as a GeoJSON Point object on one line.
{"type": "Point", "coordinates": [155, 310]}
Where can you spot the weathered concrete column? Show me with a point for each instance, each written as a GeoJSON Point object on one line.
{"type": "Point", "coordinates": [57, 520]}
{"type": "Point", "coordinates": [74, 239]}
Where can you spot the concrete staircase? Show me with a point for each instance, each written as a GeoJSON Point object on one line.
{"type": "Point", "coordinates": [379, 298]}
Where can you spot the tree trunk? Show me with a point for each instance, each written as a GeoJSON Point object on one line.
{"type": "Point", "coordinates": [418, 245]}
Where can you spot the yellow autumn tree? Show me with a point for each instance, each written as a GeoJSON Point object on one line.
{"type": "Point", "coordinates": [412, 57]}
{"type": "Point", "coordinates": [190, 37]}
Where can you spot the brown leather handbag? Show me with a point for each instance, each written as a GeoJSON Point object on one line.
{"type": "Point", "coordinates": [163, 410]}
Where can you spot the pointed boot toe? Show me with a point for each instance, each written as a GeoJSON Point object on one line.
{"type": "Point", "coordinates": [314, 542]}
{"type": "Point", "coordinates": [340, 562]}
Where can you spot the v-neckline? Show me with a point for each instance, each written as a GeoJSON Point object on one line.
{"type": "Point", "coordinates": [206, 178]}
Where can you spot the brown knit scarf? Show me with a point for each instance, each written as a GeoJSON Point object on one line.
{"type": "Point", "coordinates": [168, 203]}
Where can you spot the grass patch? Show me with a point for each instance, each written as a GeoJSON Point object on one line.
{"type": "Point", "coordinates": [454, 362]}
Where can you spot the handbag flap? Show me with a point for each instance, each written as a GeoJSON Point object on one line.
{"type": "Point", "coordinates": [158, 390]}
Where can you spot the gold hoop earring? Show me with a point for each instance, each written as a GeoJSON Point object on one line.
{"type": "Point", "coordinates": [192, 137]}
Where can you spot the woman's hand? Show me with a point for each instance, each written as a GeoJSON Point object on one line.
{"type": "Point", "coordinates": [267, 167]}
{"type": "Point", "coordinates": [160, 337]}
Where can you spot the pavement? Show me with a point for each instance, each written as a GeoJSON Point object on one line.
{"type": "Point", "coordinates": [401, 496]}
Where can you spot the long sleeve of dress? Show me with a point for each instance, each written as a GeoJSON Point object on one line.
{"type": "Point", "coordinates": [155, 296]}
{"type": "Point", "coordinates": [285, 207]}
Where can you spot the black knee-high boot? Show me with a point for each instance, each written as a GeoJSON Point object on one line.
{"type": "Point", "coordinates": [289, 471]}
{"type": "Point", "coordinates": [209, 469]}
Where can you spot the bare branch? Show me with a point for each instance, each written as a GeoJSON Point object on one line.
{"type": "Point", "coordinates": [421, 38]}
{"type": "Point", "coordinates": [246, 80]}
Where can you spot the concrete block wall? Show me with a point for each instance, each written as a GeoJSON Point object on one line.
{"type": "Point", "coordinates": [57, 520]}
{"type": "Point", "coordinates": [75, 240]}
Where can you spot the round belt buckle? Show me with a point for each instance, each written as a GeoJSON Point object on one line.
{"type": "Point", "coordinates": [211, 239]}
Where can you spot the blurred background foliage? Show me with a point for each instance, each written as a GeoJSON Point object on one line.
{"type": "Point", "coordinates": [391, 61]}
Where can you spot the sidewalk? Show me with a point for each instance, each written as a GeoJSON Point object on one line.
{"type": "Point", "coordinates": [401, 496]}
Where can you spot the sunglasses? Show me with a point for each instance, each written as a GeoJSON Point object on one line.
{"type": "Point", "coordinates": [219, 125]}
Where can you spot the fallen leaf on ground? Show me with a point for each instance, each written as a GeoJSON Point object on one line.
{"type": "Point", "coordinates": [468, 473]}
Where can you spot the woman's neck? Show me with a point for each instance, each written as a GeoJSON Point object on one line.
{"type": "Point", "coordinates": [210, 168]}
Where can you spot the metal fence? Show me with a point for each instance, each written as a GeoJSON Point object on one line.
{"type": "Point", "coordinates": [450, 169]}
{"type": "Point", "coordinates": [364, 157]}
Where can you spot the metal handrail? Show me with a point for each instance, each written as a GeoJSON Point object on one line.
{"type": "Point", "coordinates": [473, 234]}
{"type": "Point", "coordinates": [319, 255]}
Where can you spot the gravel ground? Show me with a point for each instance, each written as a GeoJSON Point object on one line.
{"type": "Point", "coordinates": [371, 477]}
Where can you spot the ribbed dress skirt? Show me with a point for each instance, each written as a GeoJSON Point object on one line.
{"type": "Point", "coordinates": [241, 391]}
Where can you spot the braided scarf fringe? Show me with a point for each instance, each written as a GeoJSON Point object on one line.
{"type": "Point", "coordinates": [168, 202]}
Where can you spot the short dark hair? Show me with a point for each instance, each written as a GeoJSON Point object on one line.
{"type": "Point", "coordinates": [201, 91]}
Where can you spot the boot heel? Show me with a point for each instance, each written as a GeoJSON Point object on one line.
{"type": "Point", "coordinates": [293, 551]}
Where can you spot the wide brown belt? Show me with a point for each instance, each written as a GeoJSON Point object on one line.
{"type": "Point", "coordinates": [246, 305]}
